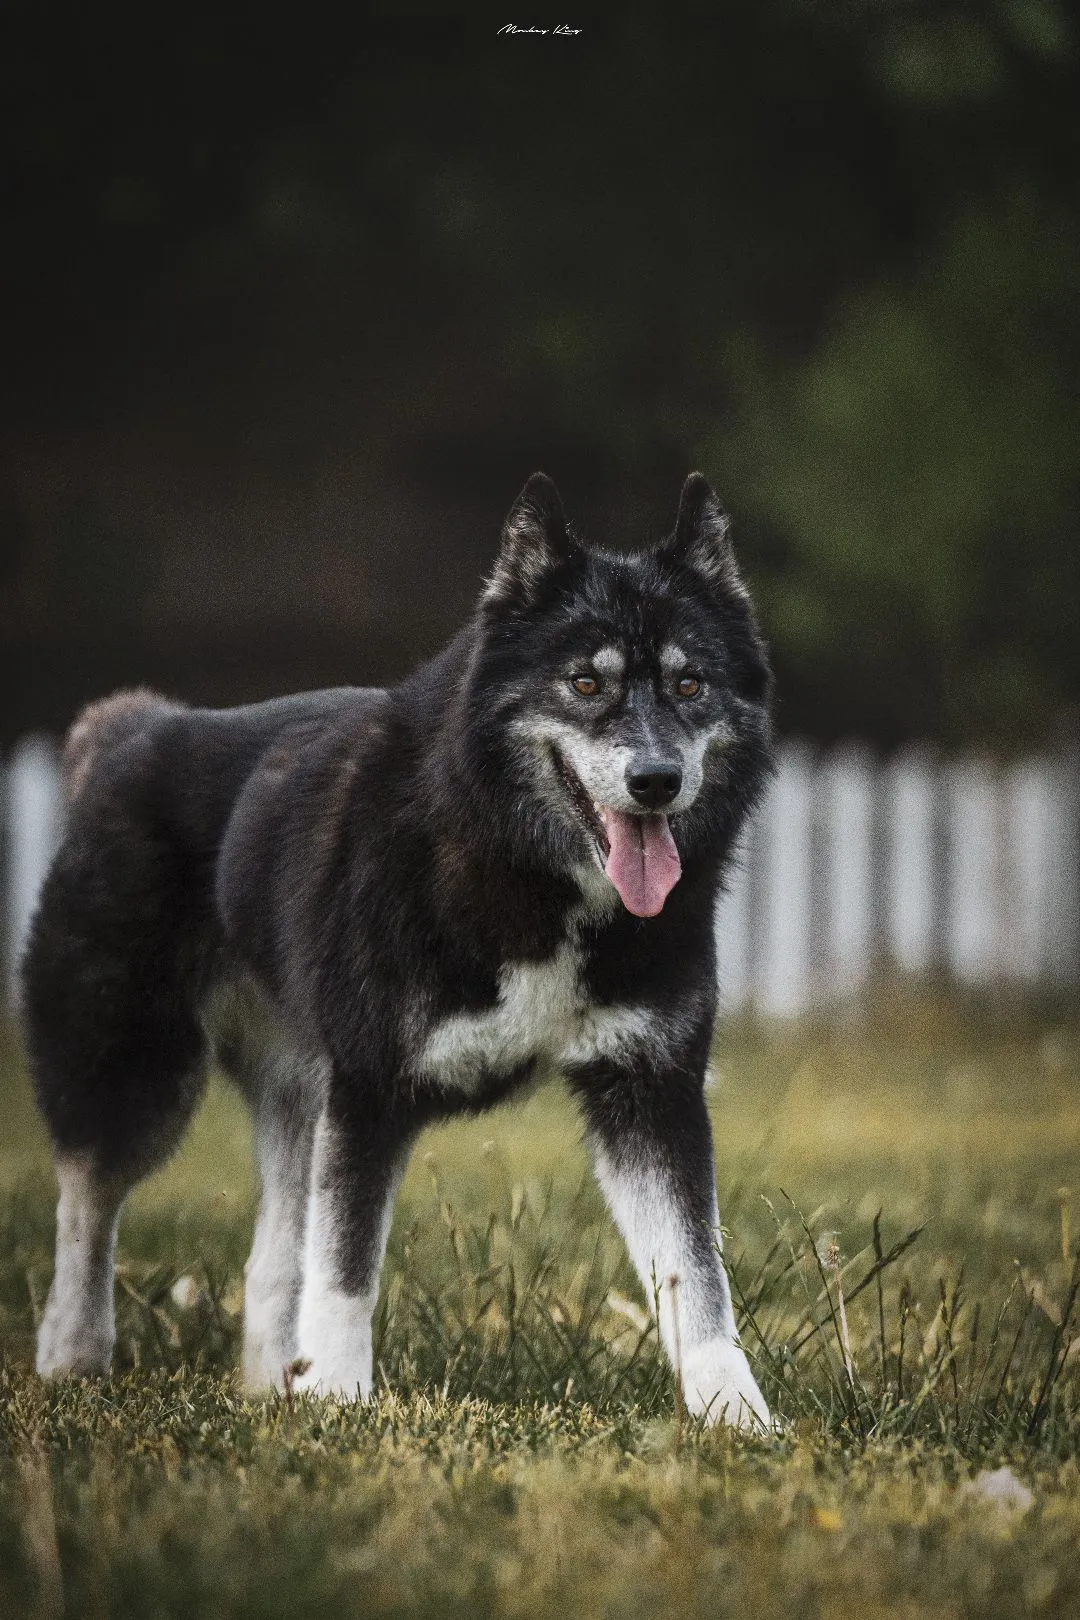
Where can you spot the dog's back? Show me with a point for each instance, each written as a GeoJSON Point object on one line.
{"type": "Point", "coordinates": [101, 727]}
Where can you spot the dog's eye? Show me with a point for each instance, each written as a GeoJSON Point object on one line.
{"type": "Point", "coordinates": [689, 686]}
{"type": "Point", "coordinates": [585, 685]}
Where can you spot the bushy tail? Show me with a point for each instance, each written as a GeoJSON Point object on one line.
{"type": "Point", "coordinates": [102, 725]}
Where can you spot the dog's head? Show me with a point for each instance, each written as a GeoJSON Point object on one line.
{"type": "Point", "coordinates": [630, 691]}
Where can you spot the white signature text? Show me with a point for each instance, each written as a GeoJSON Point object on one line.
{"type": "Point", "coordinates": [560, 28]}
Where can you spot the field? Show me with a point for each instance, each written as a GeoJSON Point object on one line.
{"type": "Point", "coordinates": [896, 1198]}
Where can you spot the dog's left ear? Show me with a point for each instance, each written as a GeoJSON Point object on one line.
{"type": "Point", "coordinates": [702, 537]}
{"type": "Point", "coordinates": [535, 539]}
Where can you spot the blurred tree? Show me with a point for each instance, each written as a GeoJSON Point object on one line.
{"type": "Point", "coordinates": [922, 466]}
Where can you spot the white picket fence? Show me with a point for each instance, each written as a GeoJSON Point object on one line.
{"type": "Point", "coordinates": [961, 868]}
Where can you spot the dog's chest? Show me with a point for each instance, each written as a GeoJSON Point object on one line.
{"type": "Point", "coordinates": [543, 1017]}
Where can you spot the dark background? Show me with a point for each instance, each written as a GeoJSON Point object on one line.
{"type": "Point", "coordinates": [293, 302]}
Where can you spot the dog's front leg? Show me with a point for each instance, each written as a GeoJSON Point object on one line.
{"type": "Point", "coordinates": [354, 1175]}
{"type": "Point", "coordinates": [652, 1151]}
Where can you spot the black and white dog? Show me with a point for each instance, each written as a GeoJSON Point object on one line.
{"type": "Point", "coordinates": [379, 908]}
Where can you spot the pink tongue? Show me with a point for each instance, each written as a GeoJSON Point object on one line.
{"type": "Point", "coordinates": [643, 862]}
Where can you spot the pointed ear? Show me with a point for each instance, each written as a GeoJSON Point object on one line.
{"type": "Point", "coordinates": [702, 537]}
{"type": "Point", "coordinates": [535, 539]}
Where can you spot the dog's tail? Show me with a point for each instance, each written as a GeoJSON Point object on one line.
{"type": "Point", "coordinates": [100, 727]}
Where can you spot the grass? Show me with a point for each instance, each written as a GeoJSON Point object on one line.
{"type": "Point", "coordinates": [900, 1235]}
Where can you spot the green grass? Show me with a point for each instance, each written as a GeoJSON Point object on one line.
{"type": "Point", "coordinates": [523, 1455]}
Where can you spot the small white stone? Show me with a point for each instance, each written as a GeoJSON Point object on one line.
{"type": "Point", "coordinates": [1001, 1487]}
{"type": "Point", "coordinates": [184, 1293]}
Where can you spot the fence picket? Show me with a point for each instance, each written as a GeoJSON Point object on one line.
{"type": "Point", "coordinates": [33, 817]}
{"type": "Point", "coordinates": [786, 855]}
{"type": "Point", "coordinates": [973, 834]}
{"type": "Point", "coordinates": [734, 961]}
{"type": "Point", "coordinates": [912, 886]}
{"type": "Point", "coordinates": [1063, 923]}
{"type": "Point", "coordinates": [846, 806]}
{"type": "Point", "coordinates": [1028, 795]}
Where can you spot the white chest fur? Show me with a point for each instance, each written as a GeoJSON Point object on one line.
{"type": "Point", "coordinates": [543, 1015]}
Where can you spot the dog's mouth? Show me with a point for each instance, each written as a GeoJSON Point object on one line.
{"type": "Point", "coordinates": [636, 851]}
{"type": "Point", "coordinates": [586, 809]}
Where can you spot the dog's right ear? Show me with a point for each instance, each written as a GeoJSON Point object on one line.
{"type": "Point", "coordinates": [535, 539]}
{"type": "Point", "coordinates": [702, 538]}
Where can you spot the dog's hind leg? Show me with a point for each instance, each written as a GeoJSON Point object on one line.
{"type": "Point", "coordinates": [118, 1058]}
{"type": "Point", "coordinates": [78, 1327]}
{"type": "Point", "coordinates": [284, 1130]}
{"type": "Point", "coordinates": [283, 1088]}
{"type": "Point", "coordinates": [97, 1164]}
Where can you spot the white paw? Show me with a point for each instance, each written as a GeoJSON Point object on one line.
{"type": "Point", "coordinates": [269, 1338]}
{"type": "Point", "coordinates": [339, 1383]}
{"type": "Point", "coordinates": [718, 1385]}
{"type": "Point", "coordinates": [334, 1338]}
{"type": "Point", "coordinates": [263, 1367]}
{"type": "Point", "coordinates": [66, 1347]}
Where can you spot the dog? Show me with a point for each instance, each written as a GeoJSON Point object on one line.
{"type": "Point", "coordinates": [375, 909]}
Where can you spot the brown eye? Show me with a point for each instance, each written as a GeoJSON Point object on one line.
{"type": "Point", "coordinates": [689, 686]}
{"type": "Point", "coordinates": [585, 685]}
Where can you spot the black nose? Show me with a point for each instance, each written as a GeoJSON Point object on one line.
{"type": "Point", "coordinates": [654, 783]}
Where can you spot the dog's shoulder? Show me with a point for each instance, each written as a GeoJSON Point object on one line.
{"type": "Point", "coordinates": [294, 768]}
